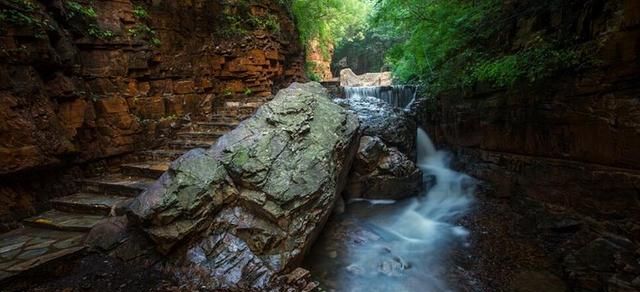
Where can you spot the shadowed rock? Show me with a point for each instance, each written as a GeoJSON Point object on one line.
{"type": "Point", "coordinates": [251, 206]}
{"type": "Point", "coordinates": [378, 118]}
{"type": "Point", "coordinates": [381, 172]}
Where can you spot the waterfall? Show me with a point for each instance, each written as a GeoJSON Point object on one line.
{"type": "Point", "coordinates": [397, 95]}
{"type": "Point", "coordinates": [411, 238]}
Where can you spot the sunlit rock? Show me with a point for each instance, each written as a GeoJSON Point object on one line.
{"type": "Point", "coordinates": [348, 78]}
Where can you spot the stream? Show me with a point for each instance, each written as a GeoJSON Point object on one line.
{"type": "Point", "coordinates": [382, 245]}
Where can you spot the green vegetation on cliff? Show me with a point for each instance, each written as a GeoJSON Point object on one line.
{"type": "Point", "coordinates": [447, 44]}
{"type": "Point", "coordinates": [327, 22]}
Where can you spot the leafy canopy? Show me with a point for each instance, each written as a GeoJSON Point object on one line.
{"type": "Point", "coordinates": [329, 21]}
{"type": "Point", "coordinates": [447, 44]}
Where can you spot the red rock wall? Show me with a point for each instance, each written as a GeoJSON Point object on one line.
{"type": "Point", "coordinates": [573, 141]}
{"type": "Point", "coordinates": [319, 60]}
{"type": "Point", "coordinates": [68, 98]}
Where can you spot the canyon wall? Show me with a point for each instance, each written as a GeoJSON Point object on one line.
{"type": "Point", "coordinates": [81, 81]}
{"type": "Point", "coordinates": [568, 145]}
{"type": "Point", "coordinates": [571, 140]}
{"type": "Point", "coordinates": [318, 61]}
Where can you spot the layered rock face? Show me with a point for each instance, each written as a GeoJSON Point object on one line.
{"type": "Point", "coordinates": [76, 87]}
{"type": "Point", "coordinates": [569, 145]}
{"type": "Point", "coordinates": [319, 60]}
{"type": "Point", "coordinates": [251, 206]}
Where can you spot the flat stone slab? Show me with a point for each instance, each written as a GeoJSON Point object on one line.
{"type": "Point", "coordinates": [190, 144]}
{"type": "Point", "coordinates": [200, 135]}
{"type": "Point", "coordinates": [59, 220]}
{"type": "Point", "coordinates": [150, 169]}
{"type": "Point", "coordinates": [89, 203]}
{"type": "Point", "coordinates": [117, 185]}
{"type": "Point", "coordinates": [26, 248]}
{"type": "Point", "coordinates": [162, 154]}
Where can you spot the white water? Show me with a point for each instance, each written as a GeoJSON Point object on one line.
{"type": "Point", "coordinates": [397, 95]}
{"type": "Point", "coordinates": [415, 235]}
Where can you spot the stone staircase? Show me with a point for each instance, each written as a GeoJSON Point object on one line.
{"type": "Point", "coordinates": [61, 231]}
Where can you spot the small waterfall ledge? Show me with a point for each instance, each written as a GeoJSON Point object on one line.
{"type": "Point", "coordinates": [400, 96]}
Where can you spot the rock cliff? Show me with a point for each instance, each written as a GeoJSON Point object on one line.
{"type": "Point", "coordinates": [569, 143]}
{"type": "Point", "coordinates": [87, 80]}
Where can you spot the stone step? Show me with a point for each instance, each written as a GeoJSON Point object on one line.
{"type": "Point", "coordinates": [199, 135]}
{"type": "Point", "coordinates": [88, 203]}
{"type": "Point", "coordinates": [59, 220]}
{"type": "Point", "coordinates": [222, 127]}
{"type": "Point", "coordinates": [160, 155]}
{"type": "Point", "coordinates": [190, 144]}
{"type": "Point", "coordinates": [226, 119]}
{"type": "Point", "coordinates": [150, 169]}
{"type": "Point", "coordinates": [116, 185]}
{"type": "Point", "coordinates": [27, 248]}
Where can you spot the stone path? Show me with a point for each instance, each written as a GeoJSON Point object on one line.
{"type": "Point", "coordinates": [60, 232]}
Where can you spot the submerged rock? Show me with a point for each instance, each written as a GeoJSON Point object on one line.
{"type": "Point", "coordinates": [381, 172]}
{"type": "Point", "coordinates": [252, 205]}
{"type": "Point", "coordinates": [378, 118]}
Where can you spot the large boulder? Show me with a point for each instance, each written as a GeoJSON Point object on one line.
{"type": "Point", "coordinates": [251, 206]}
{"type": "Point", "coordinates": [393, 125]}
{"type": "Point", "coordinates": [381, 172]}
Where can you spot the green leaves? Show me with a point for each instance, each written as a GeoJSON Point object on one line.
{"type": "Point", "coordinates": [329, 21]}
{"type": "Point", "coordinates": [446, 44]}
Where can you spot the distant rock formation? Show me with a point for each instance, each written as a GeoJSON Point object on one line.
{"type": "Point", "coordinates": [348, 78]}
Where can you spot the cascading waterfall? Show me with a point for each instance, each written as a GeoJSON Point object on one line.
{"type": "Point", "coordinates": [397, 95]}
{"type": "Point", "coordinates": [409, 239]}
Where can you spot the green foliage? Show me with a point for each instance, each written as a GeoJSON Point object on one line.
{"type": "Point", "coordinates": [531, 65]}
{"type": "Point", "coordinates": [330, 21]}
{"type": "Point", "coordinates": [95, 31]}
{"type": "Point", "coordinates": [22, 13]}
{"type": "Point", "coordinates": [86, 18]}
{"type": "Point", "coordinates": [447, 44]}
{"type": "Point", "coordinates": [238, 21]}
{"type": "Point", "coordinates": [267, 22]}
{"type": "Point", "coordinates": [140, 12]}
{"type": "Point", "coordinates": [76, 9]}
{"type": "Point", "coordinates": [143, 30]}
{"type": "Point", "coordinates": [310, 71]}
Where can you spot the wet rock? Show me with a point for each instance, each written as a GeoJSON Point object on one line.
{"type": "Point", "coordinates": [535, 281]}
{"type": "Point", "coordinates": [608, 262]}
{"type": "Point", "coordinates": [251, 206]}
{"type": "Point", "coordinates": [184, 199]}
{"type": "Point", "coordinates": [108, 234]}
{"type": "Point", "coordinates": [381, 172]}
{"type": "Point", "coordinates": [378, 118]}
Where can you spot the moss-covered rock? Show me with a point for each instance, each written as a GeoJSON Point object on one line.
{"type": "Point", "coordinates": [251, 206]}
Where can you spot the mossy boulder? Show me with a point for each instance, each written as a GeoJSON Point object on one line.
{"type": "Point", "coordinates": [250, 207]}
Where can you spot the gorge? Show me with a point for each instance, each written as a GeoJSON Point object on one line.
{"type": "Point", "coordinates": [305, 145]}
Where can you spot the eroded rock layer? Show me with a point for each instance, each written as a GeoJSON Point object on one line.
{"type": "Point", "coordinates": [76, 87]}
